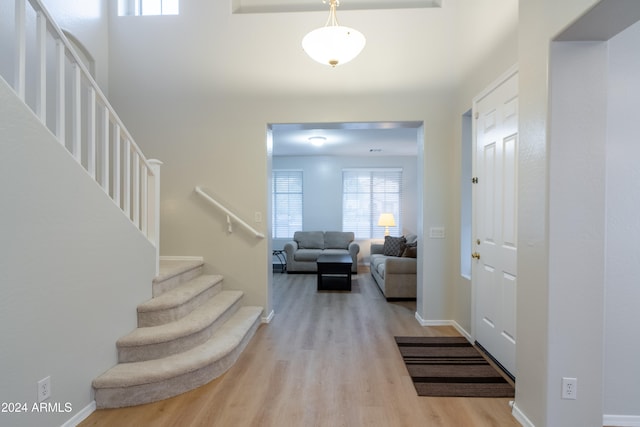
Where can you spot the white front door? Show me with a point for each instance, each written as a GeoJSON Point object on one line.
{"type": "Point", "coordinates": [494, 274]}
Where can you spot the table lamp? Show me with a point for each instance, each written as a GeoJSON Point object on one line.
{"type": "Point", "coordinates": [386, 220]}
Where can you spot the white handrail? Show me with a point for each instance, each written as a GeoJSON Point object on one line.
{"type": "Point", "coordinates": [84, 121]}
{"type": "Point", "coordinates": [229, 214]}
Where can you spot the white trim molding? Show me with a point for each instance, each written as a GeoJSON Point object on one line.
{"type": "Point", "coordinates": [181, 258]}
{"type": "Point", "coordinates": [520, 416]}
{"type": "Point", "coordinates": [621, 420]}
{"type": "Point", "coordinates": [453, 323]}
{"type": "Point", "coordinates": [269, 317]}
{"type": "Point", "coordinates": [81, 416]}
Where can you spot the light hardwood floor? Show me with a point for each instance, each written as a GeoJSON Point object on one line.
{"type": "Point", "coordinates": [326, 359]}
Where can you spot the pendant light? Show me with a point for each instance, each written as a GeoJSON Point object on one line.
{"type": "Point", "coordinates": [333, 44]}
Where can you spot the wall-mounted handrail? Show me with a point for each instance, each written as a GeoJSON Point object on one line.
{"type": "Point", "coordinates": [229, 214]}
{"type": "Point", "coordinates": [50, 78]}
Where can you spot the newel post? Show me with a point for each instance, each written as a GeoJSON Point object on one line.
{"type": "Point", "coordinates": [153, 212]}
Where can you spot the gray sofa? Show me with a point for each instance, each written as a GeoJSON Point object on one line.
{"type": "Point", "coordinates": [303, 251]}
{"type": "Point", "coordinates": [395, 274]}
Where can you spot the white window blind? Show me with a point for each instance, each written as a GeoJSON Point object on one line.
{"type": "Point", "coordinates": [148, 7]}
{"type": "Point", "coordinates": [287, 196]}
{"type": "Point", "coordinates": [367, 193]}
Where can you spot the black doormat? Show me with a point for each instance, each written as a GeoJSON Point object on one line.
{"type": "Point", "coordinates": [451, 367]}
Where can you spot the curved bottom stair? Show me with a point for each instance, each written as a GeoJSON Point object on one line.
{"type": "Point", "coordinates": [193, 331]}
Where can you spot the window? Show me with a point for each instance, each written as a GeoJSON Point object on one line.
{"type": "Point", "coordinates": [366, 193]}
{"type": "Point", "coordinates": [287, 203]}
{"type": "Point", "coordinates": [148, 7]}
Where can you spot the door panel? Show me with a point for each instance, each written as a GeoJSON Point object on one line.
{"type": "Point", "coordinates": [495, 221]}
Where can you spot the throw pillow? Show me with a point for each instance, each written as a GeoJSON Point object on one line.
{"type": "Point", "coordinates": [393, 246]}
{"type": "Point", "coordinates": [410, 251]}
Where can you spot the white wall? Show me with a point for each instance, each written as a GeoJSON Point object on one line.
{"type": "Point", "coordinates": [562, 211]}
{"type": "Point", "coordinates": [87, 21]}
{"type": "Point", "coordinates": [622, 293]}
{"type": "Point", "coordinates": [73, 270]}
{"type": "Point", "coordinates": [539, 22]}
{"type": "Point", "coordinates": [576, 230]}
{"type": "Point", "coordinates": [322, 179]}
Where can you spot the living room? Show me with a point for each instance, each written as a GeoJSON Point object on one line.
{"type": "Point", "coordinates": [354, 146]}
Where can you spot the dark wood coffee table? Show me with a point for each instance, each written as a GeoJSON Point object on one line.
{"type": "Point", "coordinates": [332, 270]}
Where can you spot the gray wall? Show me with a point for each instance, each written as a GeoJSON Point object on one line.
{"type": "Point", "coordinates": [322, 179]}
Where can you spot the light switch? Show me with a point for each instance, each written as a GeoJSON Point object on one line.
{"type": "Point", "coordinates": [436, 233]}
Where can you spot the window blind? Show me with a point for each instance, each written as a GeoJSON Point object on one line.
{"type": "Point", "coordinates": [287, 193]}
{"type": "Point", "coordinates": [367, 193]}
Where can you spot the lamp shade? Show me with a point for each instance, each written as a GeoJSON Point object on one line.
{"type": "Point", "coordinates": [386, 220]}
{"type": "Point", "coordinates": [333, 45]}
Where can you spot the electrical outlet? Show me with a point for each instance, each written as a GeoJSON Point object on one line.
{"type": "Point", "coordinates": [569, 388]}
{"type": "Point", "coordinates": [44, 389]}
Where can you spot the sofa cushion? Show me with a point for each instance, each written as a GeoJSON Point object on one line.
{"type": "Point", "coordinates": [393, 246]}
{"type": "Point", "coordinates": [335, 252]}
{"type": "Point", "coordinates": [337, 239]}
{"type": "Point", "coordinates": [307, 254]}
{"type": "Point", "coordinates": [309, 239]}
{"type": "Point", "coordinates": [376, 263]}
{"type": "Point", "coordinates": [380, 269]}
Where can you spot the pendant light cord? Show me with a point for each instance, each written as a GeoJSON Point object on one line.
{"type": "Point", "coordinates": [332, 20]}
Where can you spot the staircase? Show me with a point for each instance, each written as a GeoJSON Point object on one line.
{"type": "Point", "coordinates": [189, 333]}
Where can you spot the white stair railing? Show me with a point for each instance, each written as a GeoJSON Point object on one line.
{"type": "Point", "coordinates": [52, 80]}
{"type": "Point", "coordinates": [230, 215]}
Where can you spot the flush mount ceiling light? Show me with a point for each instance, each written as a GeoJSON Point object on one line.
{"type": "Point", "coordinates": [333, 44]}
{"type": "Point", "coordinates": [318, 141]}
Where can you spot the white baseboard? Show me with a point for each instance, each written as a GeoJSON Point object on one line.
{"type": "Point", "coordinates": [520, 416]}
{"type": "Point", "coordinates": [269, 317]}
{"type": "Point", "coordinates": [621, 420]}
{"type": "Point", "coordinates": [81, 416]}
{"type": "Point", "coordinates": [453, 323]}
{"type": "Point", "coordinates": [462, 331]}
{"type": "Point", "coordinates": [181, 258]}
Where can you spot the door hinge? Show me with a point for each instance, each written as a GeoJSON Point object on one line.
{"type": "Point", "coordinates": [474, 180]}
{"type": "Point", "coordinates": [477, 115]}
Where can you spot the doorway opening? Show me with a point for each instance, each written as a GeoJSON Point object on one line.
{"type": "Point", "coordinates": [294, 147]}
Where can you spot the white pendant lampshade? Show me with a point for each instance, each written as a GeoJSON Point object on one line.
{"type": "Point", "coordinates": [333, 44]}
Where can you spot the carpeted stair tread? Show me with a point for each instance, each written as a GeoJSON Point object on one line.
{"type": "Point", "coordinates": [224, 340]}
{"type": "Point", "coordinates": [197, 320]}
{"type": "Point", "coordinates": [178, 302]}
{"type": "Point", "coordinates": [172, 268]}
{"type": "Point", "coordinates": [180, 295]}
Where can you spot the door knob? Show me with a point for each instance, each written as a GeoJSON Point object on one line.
{"type": "Point", "coordinates": [475, 255]}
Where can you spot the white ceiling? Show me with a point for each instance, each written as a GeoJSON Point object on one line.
{"type": "Point", "coordinates": [347, 139]}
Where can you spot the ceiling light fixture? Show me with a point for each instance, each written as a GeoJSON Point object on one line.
{"type": "Point", "coordinates": [333, 44]}
{"type": "Point", "coordinates": [318, 141]}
